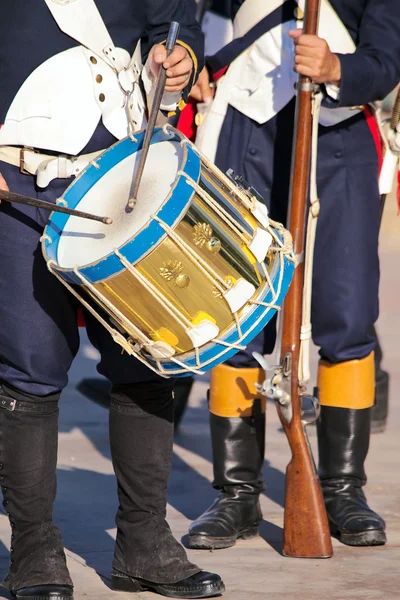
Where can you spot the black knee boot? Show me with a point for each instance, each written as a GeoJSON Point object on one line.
{"type": "Point", "coordinates": [343, 441]}
{"type": "Point", "coordinates": [28, 449]}
{"type": "Point", "coordinates": [238, 455]}
{"type": "Point", "coordinates": [147, 556]}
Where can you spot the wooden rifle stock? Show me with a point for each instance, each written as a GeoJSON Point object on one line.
{"type": "Point", "coordinates": [306, 529]}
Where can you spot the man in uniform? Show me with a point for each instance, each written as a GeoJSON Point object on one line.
{"type": "Point", "coordinates": [254, 138]}
{"type": "Point", "coordinates": [64, 95]}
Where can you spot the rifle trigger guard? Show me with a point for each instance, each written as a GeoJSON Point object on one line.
{"type": "Point", "coordinates": [310, 409]}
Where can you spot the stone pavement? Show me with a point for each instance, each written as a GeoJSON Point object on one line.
{"type": "Point", "coordinates": [86, 501]}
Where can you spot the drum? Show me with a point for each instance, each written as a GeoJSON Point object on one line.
{"type": "Point", "coordinates": [189, 276]}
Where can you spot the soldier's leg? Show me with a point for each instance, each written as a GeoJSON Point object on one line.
{"type": "Point", "coordinates": [38, 340]}
{"type": "Point", "coordinates": [345, 305]}
{"type": "Point", "coordinates": [237, 425]}
{"type": "Point", "coordinates": [237, 414]}
{"type": "Point", "coordinates": [147, 556]}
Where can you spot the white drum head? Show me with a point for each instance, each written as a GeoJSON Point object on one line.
{"type": "Point", "coordinates": [84, 241]}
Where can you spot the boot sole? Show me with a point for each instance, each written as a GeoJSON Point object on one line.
{"type": "Point", "coordinates": [206, 542]}
{"type": "Point", "coordinates": [374, 537]}
{"type": "Point", "coordinates": [128, 584]}
{"type": "Point", "coordinates": [42, 597]}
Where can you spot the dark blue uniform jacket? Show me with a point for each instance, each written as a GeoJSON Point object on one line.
{"type": "Point", "coordinates": [29, 34]}
{"type": "Point", "coordinates": [346, 266]}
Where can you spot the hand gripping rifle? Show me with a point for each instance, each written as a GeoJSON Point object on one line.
{"type": "Point", "coordinates": [306, 530]}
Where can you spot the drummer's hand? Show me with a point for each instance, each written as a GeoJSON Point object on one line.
{"type": "Point", "coordinates": [3, 185]}
{"type": "Point", "coordinates": [202, 91]}
{"type": "Point", "coordinates": [179, 66]}
{"type": "Point", "coordinates": [314, 58]}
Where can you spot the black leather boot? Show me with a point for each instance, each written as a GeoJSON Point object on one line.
{"type": "Point", "coordinates": [343, 441]}
{"type": "Point", "coordinates": [28, 450]}
{"type": "Point", "coordinates": [380, 410]}
{"type": "Point", "coordinates": [238, 454]}
{"type": "Point", "coordinates": [200, 585]}
{"type": "Point", "coordinates": [146, 553]}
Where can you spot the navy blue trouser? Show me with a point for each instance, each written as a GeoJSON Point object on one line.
{"type": "Point", "coordinates": [346, 264]}
{"type": "Point", "coordinates": [38, 316]}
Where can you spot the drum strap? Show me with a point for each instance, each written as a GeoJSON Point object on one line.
{"type": "Point", "coordinates": [82, 21]}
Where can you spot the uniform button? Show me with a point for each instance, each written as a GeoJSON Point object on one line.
{"type": "Point", "coordinates": [2, 478]}
{"type": "Point", "coordinates": [1, 466]}
{"type": "Point", "coordinates": [253, 151]}
{"type": "Point", "coordinates": [338, 154]}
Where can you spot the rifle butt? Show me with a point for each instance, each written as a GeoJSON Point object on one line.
{"type": "Point", "coordinates": [306, 531]}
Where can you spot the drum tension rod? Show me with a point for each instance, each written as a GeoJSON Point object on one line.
{"type": "Point", "coordinates": [27, 200]}
{"type": "Point", "coordinates": [155, 107]}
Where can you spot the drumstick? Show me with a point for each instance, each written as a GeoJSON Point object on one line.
{"type": "Point", "coordinates": [155, 107]}
{"type": "Point", "coordinates": [19, 199]}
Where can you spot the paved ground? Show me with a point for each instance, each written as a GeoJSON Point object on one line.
{"type": "Point", "coordinates": [255, 568]}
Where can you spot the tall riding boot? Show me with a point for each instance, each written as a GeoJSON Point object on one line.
{"type": "Point", "coordinates": [147, 556]}
{"type": "Point", "coordinates": [346, 395]}
{"type": "Point", "coordinates": [28, 448]}
{"type": "Point", "coordinates": [237, 421]}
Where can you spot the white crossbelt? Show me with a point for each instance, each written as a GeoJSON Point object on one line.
{"type": "Point", "coordinates": [46, 167]}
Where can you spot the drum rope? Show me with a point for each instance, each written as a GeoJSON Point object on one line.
{"type": "Point", "coordinates": [116, 335]}
{"type": "Point", "coordinates": [183, 321]}
{"type": "Point", "coordinates": [236, 345]}
{"type": "Point", "coordinates": [201, 264]}
{"type": "Point", "coordinates": [224, 215]}
{"type": "Point", "coordinates": [185, 368]}
{"type": "Point", "coordinates": [220, 284]}
{"type": "Point", "coordinates": [238, 327]}
{"type": "Point", "coordinates": [249, 203]}
{"type": "Point", "coordinates": [269, 280]}
{"type": "Point", "coordinates": [144, 340]}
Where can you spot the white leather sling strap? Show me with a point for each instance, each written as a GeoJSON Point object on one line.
{"type": "Point", "coordinates": [81, 20]}
{"type": "Point", "coordinates": [313, 213]}
{"type": "Point", "coordinates": [46, 167]}
{"type": "Point", "coordinates": [255, 102]}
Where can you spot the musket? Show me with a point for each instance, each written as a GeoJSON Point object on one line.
{"type": "Point", "coordinates": [306, 529]}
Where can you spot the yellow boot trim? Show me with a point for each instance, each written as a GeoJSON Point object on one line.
{"type": "Point", "coordinates": [233, 391]}
{"type": "Point", "coordinates": [349, 384]}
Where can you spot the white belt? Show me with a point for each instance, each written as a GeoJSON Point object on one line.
{"type": "Point", "coordinates": [46, 167]}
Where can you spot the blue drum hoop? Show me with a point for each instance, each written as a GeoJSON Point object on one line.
{"type": "Point", "coordinates": [152, 234]}
{"type": "Point", "coordinates": [139, 245]}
